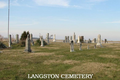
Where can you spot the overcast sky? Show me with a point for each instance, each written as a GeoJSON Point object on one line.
{"type": "Point", "coordinates": [86, 18]}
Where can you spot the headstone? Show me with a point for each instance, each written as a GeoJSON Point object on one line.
{"type": "Point", "coordinates": [78, 39]}
{"type": "Point", "coordinates": [42, 44]}
{"type": "Point", "coordinates": [65, 39]}
{"type": "Point", "coordinates": [94, 40]}
{"type": "Point", "coordinates": [17, 38]}
{"type": "Point", "coordinates": [10, 42]}
{"type": "Point", "coordinates": [68, 39]}
{"type": "Point", "coordinates": [106, 41]}
{"type": "Point", "coordinates": [54, 38]}
{"type": "Point", "coordinates": [89, 41]}
{"type": "Point", "coordinates": [99, 41]}
{"type": "Point", "coordinates": [71, 46]}
{"type": "Point", "coordinates": [28, 45]}
{"type": "Point", "coordinates": [47, 38]}
{"type": "Point", "coordinates": [95, 46]}
{"type": "Point", "coordinates": [87, 46]}
{"type": "Point", "coordinates": [74, 38]}
{"type": "Point", "coordinates": [82, 39]}
{"type": "Point", "coordinates": [31, 39]}
{"type": "Point", "coordinates": [80, 46]}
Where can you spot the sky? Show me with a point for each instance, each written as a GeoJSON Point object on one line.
{"type": "Point", "coordinates": [86, 18]}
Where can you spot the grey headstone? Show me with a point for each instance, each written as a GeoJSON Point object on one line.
{"type": "Point", "coordinates": [17, 38]}
{"type": "Point", "coordinates": [99, 40]}
{"type": "Point", "coordinates": [71, 46]}
{"type": "Point", "coordinates": [28, 45]}
{"type": "Point", "coordinates": [31, 39]}
{"type": "Point", "coordinates": [42, 44]}
{"type": "Point", "coordinates": [80, 46]}
{"type": "Point", "coordinates": [47, 38]}
{"type": "Point", "coordinates": [10, 42]}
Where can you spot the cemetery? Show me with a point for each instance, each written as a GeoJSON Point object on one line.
{"type": "Point", "coordinates": [68, 56]}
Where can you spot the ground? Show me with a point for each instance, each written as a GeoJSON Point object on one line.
{"type": "Point", "coordinates": [56, 58]}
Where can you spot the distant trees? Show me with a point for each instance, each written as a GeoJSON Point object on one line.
{"type": "Point", "coordinates": [23, 38]}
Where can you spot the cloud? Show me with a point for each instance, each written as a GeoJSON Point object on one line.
{"type": "Point", "coordinates": [2, 4]}
{"type": "Point", "coordinates": [52, 2]}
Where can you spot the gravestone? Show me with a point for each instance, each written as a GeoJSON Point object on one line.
{"type": "Point", "coordinates": [28, 45]}
{"type": "Point", "coordinates": [65, 39]}
{"type": "Point", "coordinates": [99, 41]}
{"type": "Point", "coordinates": [17, 38]}
{"type": "Point", "coordinates": [80, 46]}
{"type": "Point", "coordinates": [54, 38]}
{"type": "Point", "coordinates": [71, 46]}
{"type": "Point", "coordinates": [87, 46]}
{"type": "Point", "coordinates": [47, 38]}
{"type": "Point", "coordinates": [95, 46]}
{"type": "Point", "coordinates": [42, 44]}
{"type": "Point", "coordinates": [74, 38]}
{"type": "Point", "coordinates": [89, 41]}
{"type": "Point", "coordinates": [82, 39]}
{"type": "Point", "coordinates": [31, 39]}
{"type": "Point", "coordinates": [94, 40]}
{"type": "Point", "coordinates": [68, 39]}
{"type": "Point", "coordinates": [78, 39]}
{"type": "Point", "coordinates": [10, 42]}
{"type": "Point", "coordinates": [106, 41]}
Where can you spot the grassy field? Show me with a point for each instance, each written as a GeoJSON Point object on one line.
{"type": "Point", "coordinates": [56, 58]}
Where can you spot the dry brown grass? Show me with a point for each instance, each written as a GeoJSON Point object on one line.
{"type": "Point", "coordinates": [91, 67]}
{"type": "Point", "coordinates": [109, 56]}
{"type": "Point", "coordinates": [71, 62]}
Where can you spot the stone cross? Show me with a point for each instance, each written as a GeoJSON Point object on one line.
{"type": "Point", "coordinates": [99, 40]}
{"type": "Point", "coordinates": [28, 45]}
{"type": "Point", "coordinates": [54, 38]}
{"type": "Point", "coordinates": [71, 46]}
{"type": "Point", "coordinates": [47, 37]}
{"type": "Point", "coordinates": [17, 38]}
{"type": "Point", "coordinates": [10, 42]}
{"type": "Point", "coordinates": [42, 44]}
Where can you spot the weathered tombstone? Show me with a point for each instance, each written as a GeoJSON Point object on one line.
{"type": "Point", "coordinates": [68, 39]}
{"type": "Point", "coordinates": [94, 40]}
{"type": "Point", "coordinates": [65, 39]}
{"type": "Point", "coordinates": [95, 46]}
{"type": "Point", "coordinates": [89, 41]}
{"type": "Point", "coordinates": [71, 46]}
{"type": "Point", "coordinates": [106, 41]}
{"type": "Point", "coordinates": [42, 44]}
{"type": "Point", "coordinates": [54, 38]}
{"type": "Point", "coordinates": [10, 42]}
{"type": "Point", "coordinates": [80, 46]}
{"type": "Point", "coordinates": [17, 38]}
{"type": "Point", "coordinates": [28, 45]}
{"type": "Point", "coordinates": [47, 38]}
{"type": "Point", "coordinates": [78, 39]}
{"type": "Point", "coordinates": [31, 39]}
{"type": "Point", "coordinates": [82, 39]}
{"type": "Point", "coordinates": [74, 38]}
{"type": "Point", "coordinates": [99, 41]}
{"type": "Point", "coordinates": [87, 46]}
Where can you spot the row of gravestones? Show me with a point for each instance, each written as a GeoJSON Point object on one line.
{"type": "Point", "coordinates": [80, 39]}
{"type": "Point", "coordinates": [98, 44]}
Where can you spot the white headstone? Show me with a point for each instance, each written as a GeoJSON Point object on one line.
{"type": "Point", "coordinates": [99, 40]}
{"type": "Point", "coordinates": [78, 39]}
{"type": "Point", "coordinates": [42, 44]}
{"type": "Point", "coordinates": [54, 38]}
{"type": "Point", "coordinates": [47, 37]}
